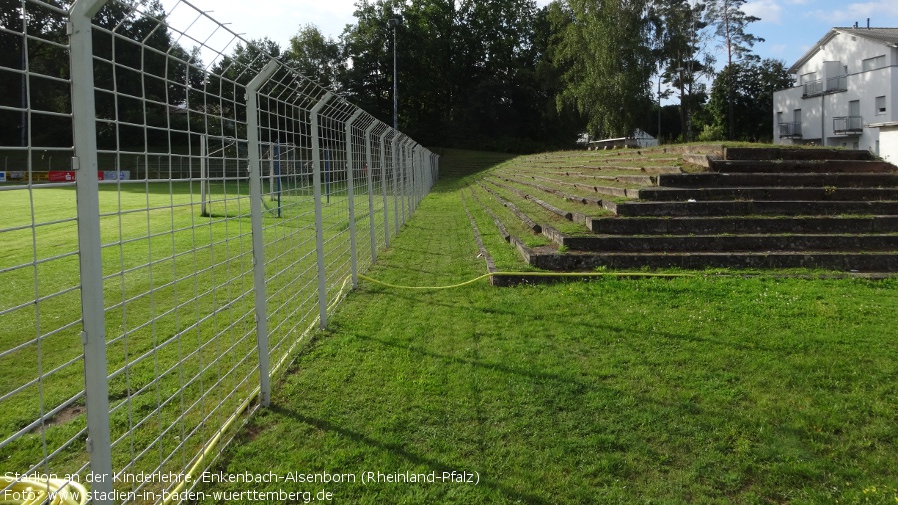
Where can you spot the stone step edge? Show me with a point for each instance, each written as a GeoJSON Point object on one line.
{"type": "Point", "coordinates": [730, 224]}
{"type": "Point", "coordinates": [529, 223]}
{"type": "Point", "coordinates": [781, 242]}
{"type": "Point", "coordinates": [746, 207]}
{"type": "Point", "coordinates": [551, 208]}
{"type": "Point", "coordinates": [828, 260]}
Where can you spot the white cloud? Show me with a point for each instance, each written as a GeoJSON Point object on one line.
{"type": "Point", "coordinates": [847, 15]}
{"type": "Point", "coordinates": [768, 10]}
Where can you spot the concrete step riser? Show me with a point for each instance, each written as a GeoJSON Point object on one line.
{"type": "Point", "coordinates": [735, 243]}
{"type": "Point", "coordinates": [758, 154]}
{"type": "Point", "coordinates": [840, 262]}
{"type": "Point", "coordinates": [729, 180]}
{"type": "Point", "coordinates": [808, 167]}
{"type": "Point", "coordinates": [798, 194]}
{"type": "Point", "coordinates": [748, 208]}
{"type": "Point", "coordinates": [710, 226]}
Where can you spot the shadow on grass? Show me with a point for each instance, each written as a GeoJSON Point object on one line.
{"type": "Point", "coordinates": [595, 327]}
{"type": "Point", "coordinates": [398, 450]}
{"type": "Point", "coordinates": [564, 380]}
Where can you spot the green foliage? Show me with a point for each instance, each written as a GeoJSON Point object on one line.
{"type": "Point", "coordinates": [712, 133]}
{"type": "Point", "coordinates": [316, 57]}
{"type": "Point", "coordinates": [680, 27]}
{"type": "Point", "coordinates": [607, 58]}
{"type": "Point", "coordinates": [470, 73]}
{"type": "Point", "coordinates": [46, 49]}
{"type": "Point", "coordinates": [753, 85]}
{"type": "Point", "coordinates": [730, 23]}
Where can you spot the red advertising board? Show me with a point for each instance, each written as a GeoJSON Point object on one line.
{"type": "Point", "coordinates": [61, 176]}
{"type": "Point", "coordinates": [67, 176]}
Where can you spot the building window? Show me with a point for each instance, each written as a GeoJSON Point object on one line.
{"type": "Point", "coordinates": [811, 77]}
{"type": "Point", "coordinates": [873, 63]}
{"type": "Point", "coordinates": [880, 105]}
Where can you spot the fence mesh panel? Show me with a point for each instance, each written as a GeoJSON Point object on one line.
{"type": "Point", "coordinates": [207, 152]}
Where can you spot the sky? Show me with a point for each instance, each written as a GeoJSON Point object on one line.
{"type": "Point", "coordinates": [789, 27]}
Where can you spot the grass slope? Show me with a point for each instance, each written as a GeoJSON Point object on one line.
{"type": "Point", "coordinates": [690, 390]}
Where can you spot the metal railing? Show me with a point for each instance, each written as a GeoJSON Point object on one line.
{"type": "Point", "coordinates": [832, 85]}
{"type": "Point", "coordinates": [848, 124]}
{"type": "Point", "coordinates": [215, 206]}
{"type": "Point", "coordinates": [837, 84]}
{"type": "Point", "coordinates": [813, 88]}
{"type": "Point", "coordinates": [790, 130]}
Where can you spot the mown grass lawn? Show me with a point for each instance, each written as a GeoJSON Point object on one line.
{"type": "Point", "coordinates": [707, 389]}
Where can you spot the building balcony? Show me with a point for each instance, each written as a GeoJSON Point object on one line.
{"type": "Point", "coordinates": [848, 125]}
{"type": "Point", "coordinates": [812, 88]}
{"type": "Point", "coordinates": [790, 130]}
{"type": "Point", "coordinates": [837, 84]}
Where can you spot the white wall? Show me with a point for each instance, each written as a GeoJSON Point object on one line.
{"type": "Point", "coordinates": [818, 111]}
{"type": "Point", "coordinates": [888, 144]}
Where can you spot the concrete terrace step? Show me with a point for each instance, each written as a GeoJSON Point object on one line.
{"type": "Point", "coordinates": [718, 180]}
{"type": "Point", "coordinates": [802, 166]}
{"type": "Point", "coordinates": [779, 153]}
{"type": "Point", "coordinates": [735, 243]}
{"type": "Point", "coordinates": [855, 262]}
{"type": "Point", "coordinates": [767, 193]}
{"type": "Point", "coordinates": [745, 225]}
{"type": "Point", "coordinates": [747, 208]}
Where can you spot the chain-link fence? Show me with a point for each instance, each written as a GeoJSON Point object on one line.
{"type": "Point", "coordinates": [155, 276]}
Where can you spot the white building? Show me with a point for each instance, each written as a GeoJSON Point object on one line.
{"type": "Point", "coordinates": [639, 139]}
{"type": "Point", "coordinates": [844, 83]}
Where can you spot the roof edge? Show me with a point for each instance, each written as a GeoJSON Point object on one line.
{"type": "Point", "coordinates": [813, 50]}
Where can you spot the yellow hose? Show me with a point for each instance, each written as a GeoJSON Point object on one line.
{"type": "Point", "coordinates": [528, 274]}
{"type": "Point", "coordinates": [41, 491]}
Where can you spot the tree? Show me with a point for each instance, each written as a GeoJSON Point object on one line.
{"type": "Point", "coordinates": [746, 91]}
{"type": "Point", "coordinates": [466, 69]}
{"type": "Point", "coordinates": [367, 82]}
{"type": "Point", "coordinates": [680, 29]}
{"type": "Point", "coordinates": [730, 23]}
{"type": "Point", "coordinates": [559, 125]}
{"type": "Point", "coordinates": [316, 57]}
{"type": "Point", "coordinates": [497, 56]}
{"type": "Point", "coordinates": [46, 30]}
{"type": "Point", "coordinates": [608, 57]}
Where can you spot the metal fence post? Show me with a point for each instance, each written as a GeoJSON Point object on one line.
{"type": "Point", "coordinates": [93, 317]}
{"type": "Point", "coordinates": [405, 170]}
{"type": "Point", "coordinates": [418, 185]}
{"type": "Point", "coordinates": [433, 169]}
{"type": "Point", "coordinates": [383, 184]}
{"type": "Point", "coordinates": [204, 170]}
{"type": "Point", "coordinates": [370, 180]}
{"type": "Point", "coordinates": [396, 178]}
{"type": "Point", "coordinates": [422, 171]}
{"type": "Point", "coordinates": [402, 175]}
{"type": "Point", "coordinates": [255, 193]}
{"type": "Point", "coordinates": [350, 173]}
{"type": "Point", "coordinates": [408, 177]}
{"type": "Point", "coordinates": [319, 224]}
{"type": "Point", "coordinates": [412, 181]}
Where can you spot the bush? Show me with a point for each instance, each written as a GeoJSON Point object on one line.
{"type": "Point", "coordinates": [712, 133]}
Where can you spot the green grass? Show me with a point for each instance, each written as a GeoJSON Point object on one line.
{"type": "Point", "coordinates": [512, 222]}
{"type": "Point", "coordinates": [691, 390]}
{"type": "Point", "coordinates": [178, 295]}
